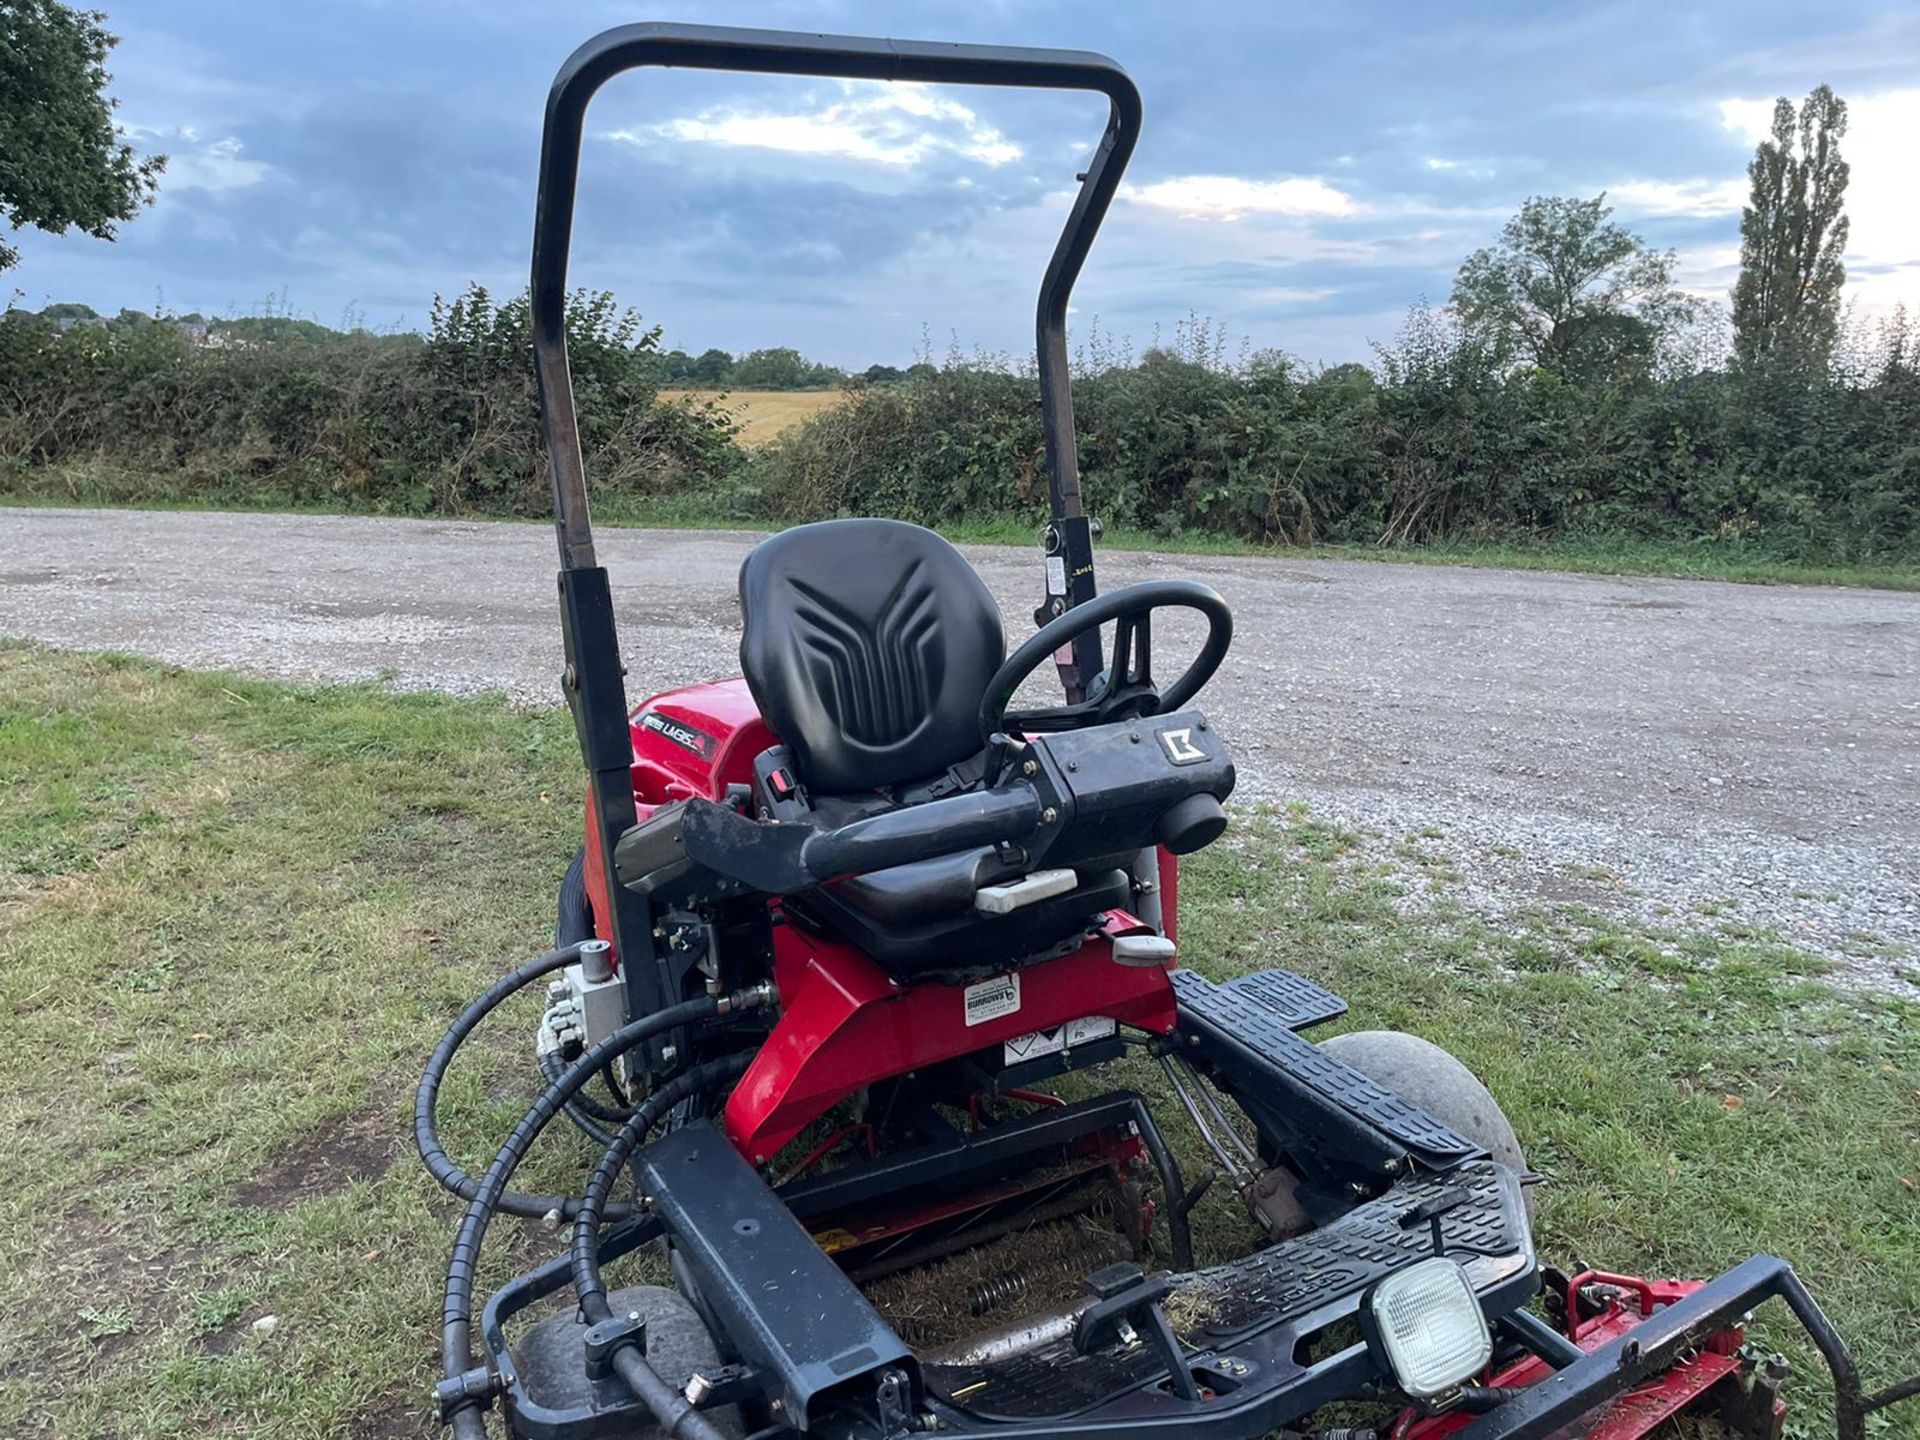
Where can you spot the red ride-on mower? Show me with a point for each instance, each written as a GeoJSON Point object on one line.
{"type": "Point", "coordinates": [842, 926]}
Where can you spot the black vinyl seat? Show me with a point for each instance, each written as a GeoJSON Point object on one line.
{"type": "Point", "coordinates": [867, 645]}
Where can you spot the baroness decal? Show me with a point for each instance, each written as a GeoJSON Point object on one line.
{"type": "Point", "coordinates": [680, 733]}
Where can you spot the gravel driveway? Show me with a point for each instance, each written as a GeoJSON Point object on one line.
{"type": "Point", "coordinates": [1645, 746]}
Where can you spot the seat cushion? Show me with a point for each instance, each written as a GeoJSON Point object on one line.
{"type": "Point", "coordinates": [926, 938]}
{"type": "Point", "coordinates": [867, 645]}
{"type": "Point", "coordinates": [928, 889]}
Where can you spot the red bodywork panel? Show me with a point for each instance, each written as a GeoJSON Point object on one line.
{"type": "Point", "coordinates": [695, 741]}
{"type": "Point", "coordinates": [1637, 1413]}
{"type": "Point", "coordinates": [845, 1023]}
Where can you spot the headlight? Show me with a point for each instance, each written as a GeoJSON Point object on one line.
{"type": "Point", "coordinates": [1424, 1325]}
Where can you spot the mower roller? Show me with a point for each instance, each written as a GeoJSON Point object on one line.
{"type": "Point", "coordinates": [846, 965]}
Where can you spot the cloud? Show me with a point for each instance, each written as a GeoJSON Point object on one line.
{"type": "Point", "coordinates": [1274, 297]}
{"type": "Point", "coordinates": [197, 164]}
{"type": "Point", "coordinates": [1684, 199]}
{"type": "Point", "coordinates": [1459, 169]}
{"type": "Point", "coordinates": [1232, 197]}
{"type": "Point", "coordinates": [1752, 120]}
{"type": "Point", "coordinates": [899, 125]}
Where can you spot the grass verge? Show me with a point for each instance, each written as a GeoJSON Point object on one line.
{"type": "Point", "coordinates": [234, 915]}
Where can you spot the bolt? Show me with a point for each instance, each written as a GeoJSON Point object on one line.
{"type": "Point", "coordinates": [1029, 768]}
{"type": "Point", "coordinates": [1049, 815]}
{"type": "Point", "coordinates": [1134, 736]}
{"type": "Point", "coordinates": [1073, 764]}
{"type": "Point", "coordinates": [633, 1317]}
{"type": "Point", "coordinates": [669, 1054]}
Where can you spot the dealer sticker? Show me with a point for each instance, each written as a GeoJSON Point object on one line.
{"type": "Point", "coordinates": [1083, 1031]}
{"type": "Point", "coordinates": [990, 999]}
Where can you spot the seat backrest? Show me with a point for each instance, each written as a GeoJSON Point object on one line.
{"type": "Point", "coordinates": [867, 646]}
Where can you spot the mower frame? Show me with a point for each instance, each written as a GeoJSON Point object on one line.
{"type": "Point", "coordinates": [742, 1238]}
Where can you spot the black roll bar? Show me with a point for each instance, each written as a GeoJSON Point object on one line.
{"type": "Point", "coordinates": [776, 52]}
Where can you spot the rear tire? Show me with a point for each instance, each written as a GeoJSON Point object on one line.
{"type": "Point", "coordinates": [1423, 1074]}
{"type": "Point", "coordinates": [573, 920]}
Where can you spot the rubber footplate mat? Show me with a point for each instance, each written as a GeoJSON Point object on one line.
{"type": "Point", "coordinates": [1222, 1306]}
{"type": "Point", "coordinates": [1237, 1016]}
{"type": "Point", "coordinates": [1298, 1002]}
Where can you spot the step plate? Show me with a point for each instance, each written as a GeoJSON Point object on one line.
{"type": "Point", "coordinates": [1298, 1002]}
{"type": "Point", "coordinates": [1235, 1015]}
{"type": "Point", "coordinates": [1222, 1307]}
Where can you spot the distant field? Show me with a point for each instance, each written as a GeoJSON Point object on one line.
{"type": "Point", "coordinates": [763, 414]}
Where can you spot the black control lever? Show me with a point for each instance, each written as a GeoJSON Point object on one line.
{"type": "Point", "coordinates": [781, 859]}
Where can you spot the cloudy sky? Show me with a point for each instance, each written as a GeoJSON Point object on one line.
{"type": "Point", "coordinates": [1307, 171]}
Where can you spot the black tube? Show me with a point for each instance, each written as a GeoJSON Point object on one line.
{"type": "Point", "coordinates": [426, 1133]}
{"type": "Point", "coordinates": [921, 832]}
{"type": "Point", "coordinates": [676, 1416]}
{"type": "Point", "coordinates": [589, 1289]}
{"type": "Point", "coordinates": [1542, 1339]}
{"type": "Point", "coordinates": [456, 1316]}
{"type": "Point", "coordinates": [700, 47]}
{"type": "Point", "coordinates": [1179, 1232]}
{"type": "Point", "coordinates": [1479, 1399]}
{"type": "Point", "coordinates": [582, 1110]}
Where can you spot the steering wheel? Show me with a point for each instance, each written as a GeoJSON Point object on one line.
{"type": "Point", "coordinates": [1126, 689]}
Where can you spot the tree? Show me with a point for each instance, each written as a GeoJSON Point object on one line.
{"type": "Point", "coordinates": [1567, 290]}
{"type": "Point", "coordinates": [1786, 303]}
{"type": "Point", "coordinates": [62, 159]}
{"type": "Point", "coordinates": [782, 368]}
{"type": "Point", "coordinates": [713, 367]}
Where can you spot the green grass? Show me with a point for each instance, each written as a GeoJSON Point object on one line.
{"type": "Point", "coordinates": [234, 915]}
{"type": "Point", "coordinates": [1580, 554]}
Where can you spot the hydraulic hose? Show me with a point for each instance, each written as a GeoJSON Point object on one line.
{"type": "Point", "coordinates": [456, 1337]}
{"type": "Point", "coordinates": [581, 1110]}
{"type": "Point", "coordinates": [426, 1133]}
{"type": "Point", "coordinates": [590, 1290]}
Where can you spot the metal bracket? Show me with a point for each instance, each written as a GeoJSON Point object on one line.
{"type": "Point", "coordinates": [470, 1388]}
{"type": "Point", "coordinates": [1126, 1301]}
{"type": "Point", "coordinates": [724, 1385]}
{"type": "Point", "coordinates": [610, 1335]}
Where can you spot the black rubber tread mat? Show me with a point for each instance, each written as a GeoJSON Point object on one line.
{"type": "Point", "coordinates": [1298, 1002]}
{"type": "Point", "coordinates": [1218, 1307]}
{"type": "Point", "coordinates": [1236, 1015]}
